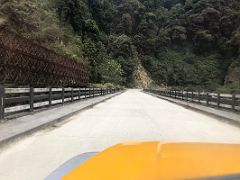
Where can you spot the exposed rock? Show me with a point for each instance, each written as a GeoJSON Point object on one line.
{"type": "Point", "coordinates": [142, 79]}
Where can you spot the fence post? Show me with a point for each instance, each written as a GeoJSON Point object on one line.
{"type": "Point", "coordinates": [79, 93]}
{"type": "Point", "coordinates": [182, 94]}
{"type": "Point", "coordinates": [207, 99]}
{"type": "Point", "coordinates": [63, 90]}
{"type": "Point", "coordinates": [50, 97]}
{"type": "Point", "coordinates": [199, 97]}
{"type": "Point", "coordinates": [218, 99]}
{"type": "Point", "coordinates": [187, 96]}
{"type": "Point", "coordinates": [233, 101]}
{"type": "Point", "coordinates": [31, 98]}
{"type": "Point", "coordinates": [192, 96]}
{"type": "Point", "coordinates": [72, 94]}
{"type": "Point", "coordinates": [2, 94]}
{"type": "Point", "coordinates": [93, 92]}
{"type": "Point", "coordinates": [89, 92]}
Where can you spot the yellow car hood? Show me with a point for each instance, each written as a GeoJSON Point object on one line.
{"type": "Point", "coordinates": [160, 161]}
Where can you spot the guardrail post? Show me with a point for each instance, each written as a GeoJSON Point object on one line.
{"type": "Point", "coordinates": [63, 91]}
{"type": "Point", "coordinates": [79, 93]}
{"type": "Point", "coordinates": [72, 94]}
{"type": "Point", "coordinates": [218, 99]}
{"type": "Point", "coordinates": [207, 99]}
{"type": "Point", "coordinates": [93, 92]}
{"type": "Point", "coordinates": [2, 94]}
{"type": "Point", "coordinates": [199, 97]}
{"type": "Point", "coordinates": [233, 101]}
{"type": "Point", "coordinates": [192, 96]}
{"type": "Point", "coordinates": [50, 97]}
{"type": "Point", "coordinates": [31, 96]}
{"type": "Point", "coordinates": [187, 96]}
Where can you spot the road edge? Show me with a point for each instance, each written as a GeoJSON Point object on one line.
{"type": "Point", "coordinates": [4, 143]}
{"type": "Point", "coordinates": [225, 116]}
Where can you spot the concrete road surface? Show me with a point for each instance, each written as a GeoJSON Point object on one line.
{"type": "Point", "coordinates": [132, 116]}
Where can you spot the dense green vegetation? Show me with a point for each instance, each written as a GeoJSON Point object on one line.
{"type": "Point", "coordinates": [191, 43]}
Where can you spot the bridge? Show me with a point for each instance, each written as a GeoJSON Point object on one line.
{"type": "Point", "coordinates": [130, 116]}
{"type": "Point", "coordinates": [49, 114]}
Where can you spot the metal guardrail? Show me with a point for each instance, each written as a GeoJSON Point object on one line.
{"type": "Point", "coordinates": [17, 100]}
{"type": "Point", "coordinates": [218, 100]}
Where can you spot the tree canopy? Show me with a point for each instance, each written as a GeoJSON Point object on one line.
{"type": "Point", "coordinates": [178, 42]}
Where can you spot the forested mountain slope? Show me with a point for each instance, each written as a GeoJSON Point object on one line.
{"type": "Point", "coordinates": [178, 42]}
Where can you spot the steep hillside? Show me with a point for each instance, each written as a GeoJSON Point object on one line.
{"type": "Point", "coordinates": [178, 42]}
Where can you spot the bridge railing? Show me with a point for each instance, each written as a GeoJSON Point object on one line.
{"type": "Point", "coordinates": [21, 100]}
{"type": "Point", "coordinates": [217, 100]}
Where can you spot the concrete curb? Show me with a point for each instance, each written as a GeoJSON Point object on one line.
{"type": "Point", "coordinates": [8, 140]}
{"type": "Point", "coordinates": [223, 115]}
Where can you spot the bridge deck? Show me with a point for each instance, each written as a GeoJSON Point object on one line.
{"type": "Point", "coordinates": [132, 116]}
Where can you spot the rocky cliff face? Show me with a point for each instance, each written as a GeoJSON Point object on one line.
{"type": "Point", "coordinates": [141, 77]}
